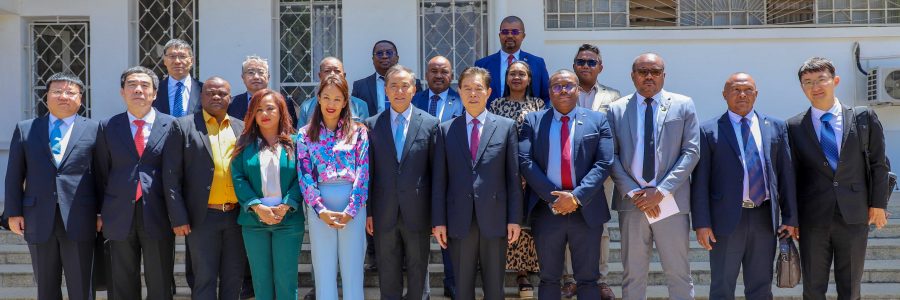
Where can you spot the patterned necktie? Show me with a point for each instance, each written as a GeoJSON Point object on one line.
{"type": "Point", "coordinates": [828, 141]}
{"type": "Point", "coordinates": [565, 168]}
{"type": "Point", "coordinates": [649, 170]}
{"type": "Point", "coordinates": [510, 59]}
{"type": "Point", "coordinates": [178, 103]}
{"type": "Point", "coordinates": [474, 138]}
{"type": "Point", "coordinates": [432, 106]}
{"type": "Point", "coordinates": [139, 144]}
{"type": "Point", "coordinates": [56, 137]}
{"type": "Point", "coordinates": [398, 136]}
{"type": "Point", "coordinates": [756, 179]}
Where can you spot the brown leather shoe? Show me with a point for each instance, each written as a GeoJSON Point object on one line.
{"type": "Point", "coordinates": [568, 290]}
{"type": "Point", "coordinates": [606, 292]}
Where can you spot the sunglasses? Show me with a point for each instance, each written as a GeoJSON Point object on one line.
{"type": "Point", "coordinates": [510, 31]}
{"type": "Point", "coordinates": [589, 62]}
{"type": "Point", "coordinates": [558, 88]}
{"type": "Point", "coordinates": [645, 72]}
{"type": "Point", "coordinates": [384, 53]}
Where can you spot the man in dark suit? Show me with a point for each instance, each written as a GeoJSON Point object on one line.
{"type": "Point", "coordinates": [439, 100]}
{"type": "Point", "coordinates": [179, 93]}
{"type": "Point", "coordinates": [737, 221]}
{"type": "Point", "coordinates": [129, 171]}
{"type": "Point", "coordinates": [565, 154]}
{"type": "Point", "coordinates": [400, 153]}
{"type": "Point", "coordinates": [200, 194]}
{"type": "Point", "coordinates": [51, 195]}
{"type": "Point", "coordinates": [477, 192]}
{"type": "Point", "coordinates": [371, 88]}
{"type": "Point", "coordinates": [512, 33]}
{"type": "Point", "coordinates": [836, 197]}
{"type": "Point", "coordinates": [255, 74]}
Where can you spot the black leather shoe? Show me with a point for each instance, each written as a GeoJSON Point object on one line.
{"type": "Point", "coordinates": [450, 293]}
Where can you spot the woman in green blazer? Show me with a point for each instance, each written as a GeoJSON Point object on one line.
{"type": "Point", "coordinates": [264, 171]}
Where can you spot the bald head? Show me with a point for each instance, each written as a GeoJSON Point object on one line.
{"type": "Point", "coordinates": [739, 77]}
{"type": "Point", "coordinates": [216, 97]}
{"type": "Point", "coordinates": [331, 66]}
{"type": "Point", "coordinates": [648, 57]}
{"type": "Point", "coordinates": [740, 93]}
{"type": "Point", "coordinates": [439, 74]}
{"type": "Point", "coordinates": [648, 74]}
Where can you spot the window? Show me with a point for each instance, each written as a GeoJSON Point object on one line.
{"type": "Point", "coordinates": [162, 20]}
{"type": "Point", "coordinates": [607, 14]}
{"type": "Point", "coordinates": [452, 28]}
{"type": "Point", "coordinates": [308, 32]}
{"type": "Point", "coordinates": [58, 46]}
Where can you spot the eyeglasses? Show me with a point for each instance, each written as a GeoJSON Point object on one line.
{"type": "Point", "coordinates": [510, 31]}
{"type": "Point", "coordinates": [589, 62]}
{"type": "Point", "coordinates": [384, 53]}
{"type": "Point", "coordinates": [645, 72]}
{"type": "Point", "coordinates": [817, 82]}
{"type": "Point", "coordinates": [256, 72]}
{"type": "Point", "coordinates": [558, 88]}
{"type": "Point", "coordinates": [177, 57]}
{"type": "Point", "coordinates": [60, 93]}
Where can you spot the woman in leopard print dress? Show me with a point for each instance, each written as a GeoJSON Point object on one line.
{"type": "Point", "coordinates": [517, 102]}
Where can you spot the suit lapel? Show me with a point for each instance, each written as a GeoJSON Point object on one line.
{"type": "Point", "coordinates": [461, 137]}
{"type": "Point", "coordinates": [371, 83]}
{"type": "Point", "coordinates": [486, 132]}
{"type": "Point", "coordinates": [415, 122]}
{"type": "Point", "coordinates": [765, 132]}
{"type": "Point", "coordinates": [807, 126]}
{"type": "Point", "coordinates": [77, 130]}
{"type": "Point", "coordinates": [201, 129]}
{"type": "Point", "coordinates": [383, 129]}
{"type": "Point", "coordinates": [579, 134]}
{"type": "Point", "coordinates": [542, 152]}
{"type": "Point", "coordinates": [726, 130]}
{"type": "Point", "coordinates": [630, 116]}
{"type": "Point", "coordinates": [662, 115]}
{"type": "Point", "coordinates": [158, 130]}
{"type": "Point", "coordinates": [849, 124]}
{"type": "Point", "coordinates": [122, 128]}
{"type": "Point", "coordinates": [42, 125]}
{"type": "Point", "coordinates": [162, 96]}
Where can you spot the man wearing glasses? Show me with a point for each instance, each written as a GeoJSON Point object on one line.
{"type": "Point", "coordinates": [179, 93]}
{"type": "Point", "coordinates": [657, 146]}
{"type": "Point", "coordinates": [512, 33]}
{"type": "Point", "coordinates": [255, 74]}
{"type": "Point", "coordinates": [371, 89]}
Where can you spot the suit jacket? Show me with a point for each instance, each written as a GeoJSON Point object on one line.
{"type": "Point", "coordinates": [605, 95]}
{"type": "Point", "coordinates": [35, 185]}
{"type": "Point", "coordinates": [717, 185]}
{"type": "Point", "coordinates": [119, 168]}
{"type": "Point", "coordinates": [593, 157]}
{"type": "Point", "coordinates": [188, 168]}
{"type": "Point", "coordinates": [366, 90]}
{"type": "Point", "coordinates": [240, 103]}
{"type": "Point", "coordinates": [247, 177]}
{"type": "Point", "coordinates": [677, 147]}
{"type": "Point", "coordinates": [453, 105]}
{"type": "Point", "coordinates": [401, 190]}
{"type": "Point", "coordinates": [488, 188]}
{"type": "Point", "coordinates": [820, 190]}
{"type": "Point", "coordinates": [162, 97]}
{"type": "Point", "coordinates": [540, 80]}
{"type": "Point", "coordinates": [358, 110]}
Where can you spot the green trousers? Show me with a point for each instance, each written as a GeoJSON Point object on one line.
{"type": "Point", "coordinates": [273, 252]}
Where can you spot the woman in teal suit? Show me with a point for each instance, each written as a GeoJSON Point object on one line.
{"type": "Point", "coordinates": [264, 171]}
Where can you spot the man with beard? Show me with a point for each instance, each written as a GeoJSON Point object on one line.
{"type": "Point", "coordinates": [512, 33]}
{"type": "Point", "coordinates": [371, 89]}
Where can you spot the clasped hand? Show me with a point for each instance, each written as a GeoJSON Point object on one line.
{"type": "Point", "coordinates": [271, 215]}
{"type": "Point", "coordinates": [336, 220]}
{"type": "Point", "coordinates": [647, 200]}
{"type": "Point", "coordinates": [565, 202]}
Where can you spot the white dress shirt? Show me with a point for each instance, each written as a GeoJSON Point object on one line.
{"type": "Point", "coordinates": [586, 98]}
{"type": "Point", "coordinates": [441, 105]}
{"type": "Point", "coordinates": [185, 93]}
{"type": "Point", "coordinates": [481, 119]}
{"type": "Point", "coordinates": [270, 170]}
{"type": "Point", "coordinates": [503, 65]}
{"type": "Point", "coordinates": [149, 118]}
{"type": "Point", "coordinates": [379, 93]}
{"type": "Point", "coordinates": [837, 123]}
{"type": "Point", "coordinates": [66, 130]}
{"type": "Point", "coordinates": [637, 163]}
{"type": "Point", "coordinates": [757, 139]}
{"type": "Point", "coordinates": [554, 161]}
{"type": "Point", "coordinates": [405, 115]}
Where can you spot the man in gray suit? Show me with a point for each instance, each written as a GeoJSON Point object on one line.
{"type": "Point", "coordinates": [400, 154]}
{"type": "Point", "coordinates": [657, 146]}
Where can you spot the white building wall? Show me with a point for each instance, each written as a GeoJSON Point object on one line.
{"type": "Point", "coordinates": [230, 30]}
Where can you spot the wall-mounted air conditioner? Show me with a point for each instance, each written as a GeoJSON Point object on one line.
{"type": "Point", "coordinates": [883, 86]}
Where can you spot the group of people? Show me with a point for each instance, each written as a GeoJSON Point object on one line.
{"type": "Point", "coordinates": [515, 170]}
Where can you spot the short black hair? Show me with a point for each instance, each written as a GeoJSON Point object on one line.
{"type": "Point", "coordinates": [591, 48]}
{"type": "Point", "coordinates": [815, 64]}
{"type": "Point", "coordinates": [139, 70]}
{"type": "Point", "coordinates": [66, 77]}
{"type": "Point", "coordinates": [178, 44]}
{"type": "Point", "coordinates": [513, 19]}
{"type": "Point", "coordinates": [384, 41]}
{"type": "Point", "coordinates": [472, 71]}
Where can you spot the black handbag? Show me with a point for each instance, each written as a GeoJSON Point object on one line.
{"type": "Point", "coordinates": [787, 267]}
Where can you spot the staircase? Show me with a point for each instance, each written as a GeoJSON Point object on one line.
{"type": "Point", "coordinates": [881, 279]}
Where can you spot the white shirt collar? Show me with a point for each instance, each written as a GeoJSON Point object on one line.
{"type": "Point", "coordinates": [186, 81]}
{"type": "Point", "coordinates": [67, 120]}
{"type": "Point", "coordinates": [379, 77]}
{"type": "Point", "coordinates": [504, 55]}
{"type": "Point", "coordinates": [834, 110]}
{"type": "Point", "coordinates": [148, 118]}
{"type": "Point", "coordinates": [558, 115]}
{"type": "Point", "coordinates": [736, 118]}
{"type": "Point", "coordinates": [656, 98]}
{"type": "Point", "coordinates": [443, 94]}
{"type": "Point", "coordinates": [406, 114]}
{"type": "Point", "coordinates": [481, 118]}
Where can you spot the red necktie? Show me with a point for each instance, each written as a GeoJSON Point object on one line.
{"type": "Point", "coordinates": [474, 138]}
{"type": "Point", "coordinates": [565, 169]}
{"type": "Point", "coordinates": [139, 144]}
{"type": "Point", "coordinates": [510, 60]}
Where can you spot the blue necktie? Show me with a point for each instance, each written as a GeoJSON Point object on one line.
{"type": "Point", "coordinates": [757, 186]}
{"type": "Point", "coordinates": [828, 141]}
{"type": "Point", "coordinates": [178, 110]}
{"type": "Point", "coordinates": [432, 107]}
{"type": "Point", "coordinates": [398, 135]}
{"type": "Point", "coordinates": [56, 137]}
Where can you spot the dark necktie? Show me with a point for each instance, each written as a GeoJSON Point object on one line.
{"type": "Point", "coordinates": [649, 170]}
{"type": "Point", "coordinates": [178, 110]}
{"type": "Point", "coordinates": [139, 145]}
{"type": "Point", "coordinates": [432, 106]}
{"type": "Point", "coordinates": [828, 140]}
{"type": "Point", "coordinates": [757, 182]}
{"type": "Point", "coordinates": [474, 138]}
{"type": "Point", "coordinates": [565, 168]}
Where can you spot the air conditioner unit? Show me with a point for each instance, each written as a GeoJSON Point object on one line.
{"type": "Point", "coordinates": [883, 86]}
